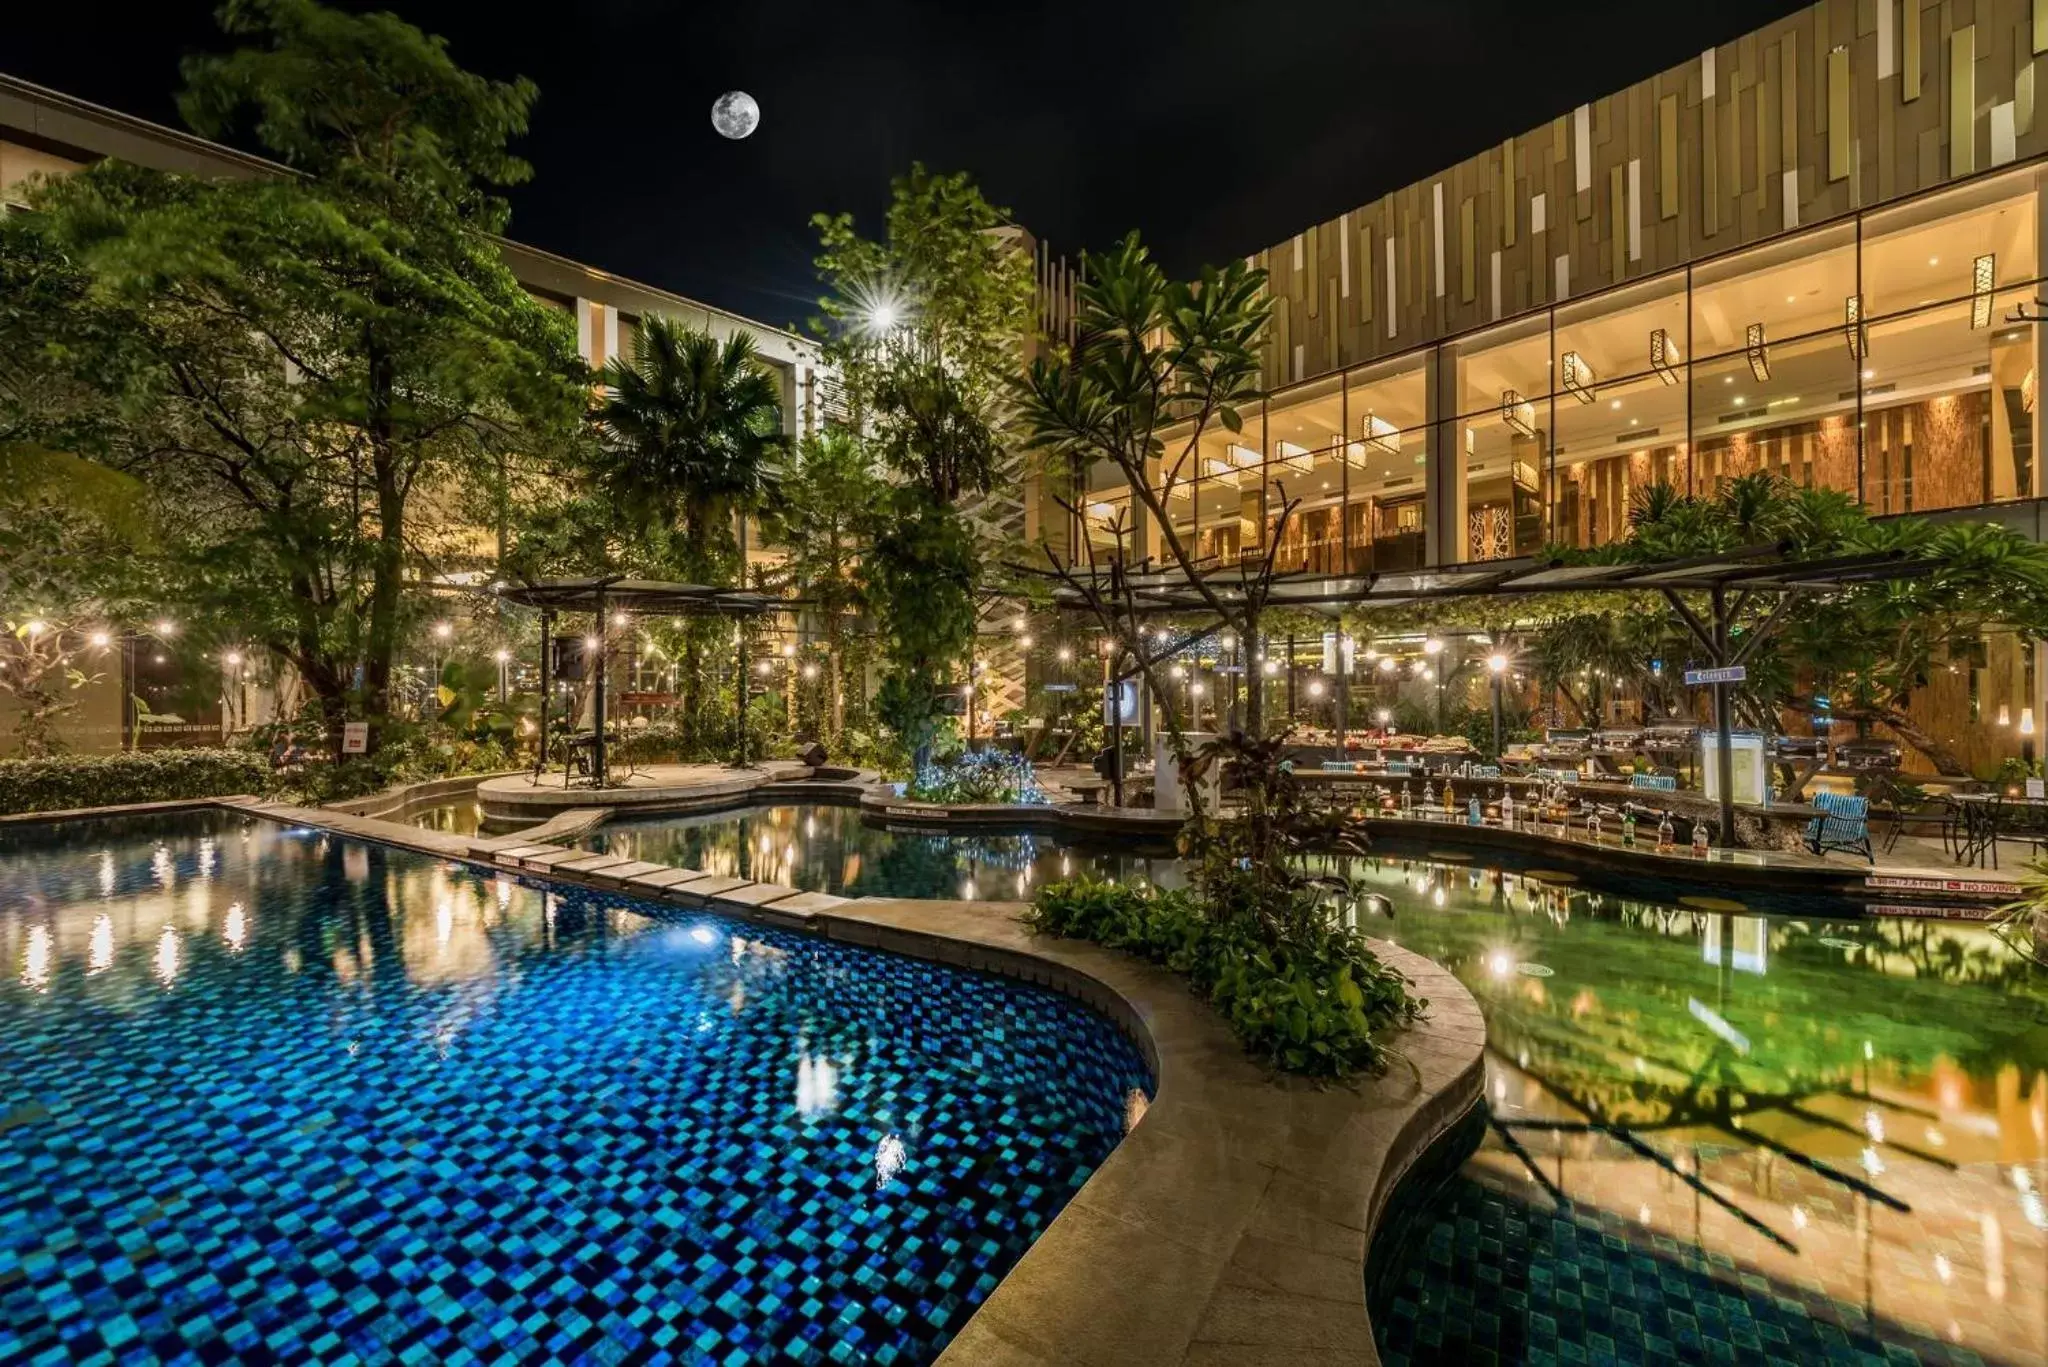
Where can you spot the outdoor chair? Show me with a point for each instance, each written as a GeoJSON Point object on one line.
{"type": "Point", "coordinates": [1843, 824]}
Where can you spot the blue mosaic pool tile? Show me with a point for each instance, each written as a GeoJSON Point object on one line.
{"type": "Point", "coordinates": [1577, 1291]}
{"type": "Point", "coordinates": [273, 1096]}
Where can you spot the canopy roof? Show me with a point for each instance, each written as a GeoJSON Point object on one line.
{"type": "Point", "coordinates": [1756, 568]}
{"type": "Point", "coordinates": [616, 593]}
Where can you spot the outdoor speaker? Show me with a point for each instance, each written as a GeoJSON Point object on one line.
{"type": "Point", "coordinates": [568, 654]}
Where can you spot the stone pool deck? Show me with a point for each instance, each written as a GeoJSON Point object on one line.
{"type": "Point", "coordinates": [524, 797]}
{"type": "Point", "coordinates": [1230, 1226]}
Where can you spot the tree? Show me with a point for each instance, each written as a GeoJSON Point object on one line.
{"type": "Point", "coordinates": [71, 540]}
{"type": "Point", "coordinates": [1153, 354]}
{"type": "Point", "coordinates": [692, 428]}
{"type": "Point", "coordinates": [291, 362]}
{"type": "Point", "coordinates": [922, 572]}
{"type": "Point", "coordinates": [1867, 648]}
{"type": "Point", "coordinates": [927, 329]}
{"type": "Point", "coordinates": [824, 517]}
{"type": "Point", "coordinates": [692, 432]}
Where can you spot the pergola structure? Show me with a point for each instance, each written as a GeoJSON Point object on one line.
{"type": "Point", "coordinates": [601, 596]}
{"type": "Point", "coordinates": [1731, 581]}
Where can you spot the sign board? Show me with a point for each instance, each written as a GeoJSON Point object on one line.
{"type": "Point", "coordinates": [1121, 706]}
{"type": "Point", "coordinates": [1968, 887]}
{"type": "Point", "coordinates": [355, 737]}
{"type": "Point", "coordinates": [1746, 763]}
{"type": "Point", "coordinates": [2037, 788]}
{"type": "Point", "coordinates": [1727, 674]}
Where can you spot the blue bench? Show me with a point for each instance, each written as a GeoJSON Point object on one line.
{"type": "Point", "coordinates": [1660, 783]}
{"type": "Point", "coordinates": [1843, 824]}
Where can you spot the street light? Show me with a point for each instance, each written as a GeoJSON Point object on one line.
{"type": "Point", "coordinates": [504, 658]}
{"type": "Point", "coordinates": [100, 640]}
{"type": "Point", "coordinates": [1432, 646]}
{"type": "Point", "coordinates": [443, 630]}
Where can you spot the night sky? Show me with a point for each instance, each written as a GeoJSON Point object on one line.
{"type": "Point", "coordinates": [1214, 128]}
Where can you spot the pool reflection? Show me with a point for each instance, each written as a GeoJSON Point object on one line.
{"type": "Point", "coordinates": [822, 848]}
{"type": "Point", "coordinates": [1833, 1129]}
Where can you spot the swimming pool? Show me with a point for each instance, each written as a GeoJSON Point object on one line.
{"type": "Point", "coordinates": [1724, 1136]}
{"type": "Point", "coordinates": [818, 847]}
{"type": "Point", "coordinates": [270, 1093]}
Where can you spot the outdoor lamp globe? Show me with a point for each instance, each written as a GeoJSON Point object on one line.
{"type": "Point", "coordinates": [1497, 662]}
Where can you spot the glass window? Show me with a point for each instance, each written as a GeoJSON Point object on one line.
{"type": "Point", "coordinates": [1613, 441]}
{"type": "Point", "coordinates": [1385, 470]}
{"type": "Point", "coordinates": [1929, 252]}
{"type": "Point", "coordinates": [1788, 408]}
{"type": "Point", "coordinates": [1791, 288]}
{"type": "Point", "coordinates": [1502, 436]}
{"type": "Point", "coordinates": [1514, 357]}
{"type": "Point", "coordinates": [1948, 395]}
{"type": "Point", "coordinates": [1305, 432]}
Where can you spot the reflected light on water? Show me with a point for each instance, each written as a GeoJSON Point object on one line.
{"type": "Point", "coordinates": [890, 1156]}
{"type": "Point", "coordinates": [38, 958]}
{"type": "Point", "coordinates": [236, 930]}
{"type": "Point", "coordinates": [99, 946]}
{"type": "Point", "coordinates": [817, 1086]}
{"type": "Point", "coordinates": [160, 865]}
{"type": "Point", "coordinates": [108, 880]}
{"type": "Point", "coordinates": [167, 956]}
{"type": "Point", "coordinates": [703, 935]}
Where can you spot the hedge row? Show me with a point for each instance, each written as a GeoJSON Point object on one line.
{"type": "Point", "coordinates": [61, 782]}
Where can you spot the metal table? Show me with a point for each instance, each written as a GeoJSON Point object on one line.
{"type": "Point", "coordinates": [1985, 817]}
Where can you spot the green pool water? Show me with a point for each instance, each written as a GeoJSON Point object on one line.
{"type": "Point", "coordinates": [1722, 1136]}
{"type": "Point", "coordinates": [463, 817]}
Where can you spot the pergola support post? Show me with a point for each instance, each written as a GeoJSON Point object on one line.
{"type": "Point", "coordinates": [598, 775]}
{"type": "Point", "coordinates": [1724, 762]}
{"type": "Point", "coordinates": [547, 689]}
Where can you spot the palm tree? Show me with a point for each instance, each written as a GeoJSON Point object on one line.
{"type": "Point", "coordinates": [692, 429]}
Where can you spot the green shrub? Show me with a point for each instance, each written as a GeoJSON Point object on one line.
{"type": "Point", "coordinates": [977, 776]}
{"type": "Point", "coordinates": [1310, 998]}
{"type": "Point", "coordinates": [408, 754]}
{"type": "Point", "coordinates": [60, 782]}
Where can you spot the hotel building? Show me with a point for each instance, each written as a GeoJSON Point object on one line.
{"type": "Point", "coordinates": [1815, 250]}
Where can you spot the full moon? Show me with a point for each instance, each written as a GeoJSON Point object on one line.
{"type": "Point", "coordinates": [734, 114]}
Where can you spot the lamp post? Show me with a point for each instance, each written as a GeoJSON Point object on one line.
{"type": "Point", "coordinates": [1432, 647]}
{"type": "Point", "coordinates": [443, 633]}
{"type": "Point", "coordinates": [233, 660]}
{"type": "Point", "coordinates": [1497, 665]}
{"type": "Point", "coordinates": [504, 658]}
